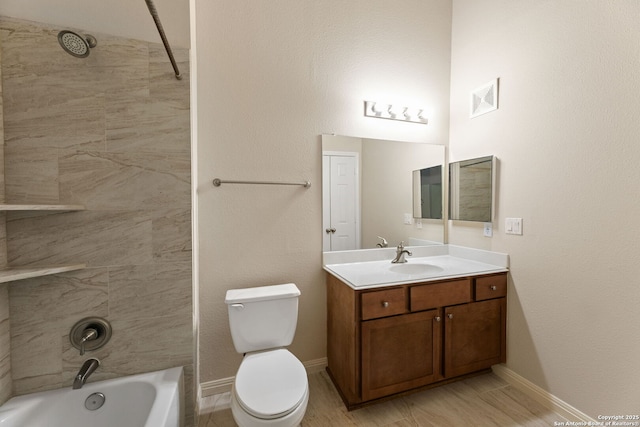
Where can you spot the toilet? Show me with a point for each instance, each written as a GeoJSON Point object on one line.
{"type": "Point", "coordinates": [271, 386]}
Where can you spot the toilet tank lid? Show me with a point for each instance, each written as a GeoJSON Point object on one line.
{"type": "Point", "coordinates": [261, 293]}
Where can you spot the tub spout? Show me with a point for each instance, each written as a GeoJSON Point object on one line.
{"type": "Point", "coordinates": [88, 367]}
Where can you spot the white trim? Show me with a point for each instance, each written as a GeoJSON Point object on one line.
{"type": "Point", "coordinates": [217, 388]}
{"type": "Point", "coordinates": [541, 396]}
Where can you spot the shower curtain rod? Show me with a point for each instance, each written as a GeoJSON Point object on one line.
{"type": "Point", "coordinates": [156, 19]}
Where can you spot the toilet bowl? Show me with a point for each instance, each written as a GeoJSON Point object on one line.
{"type": "Point", "coordinates": [270, 389]}
{"type": "Point", "coordinates": [271, 386]}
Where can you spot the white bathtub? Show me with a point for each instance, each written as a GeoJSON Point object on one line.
{"type": "Point", "coordinates": [154, 399]}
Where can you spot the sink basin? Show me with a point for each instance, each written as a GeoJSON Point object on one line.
{"type": "Point", "coordinates": [413, 269]}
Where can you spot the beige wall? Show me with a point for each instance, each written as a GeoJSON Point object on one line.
{"type": "Point", "coordinates": [111, 132]}
{"type": "Point", "coordinates": [566, 136]}
{"type": "Point", "coordinates": [272, 77]}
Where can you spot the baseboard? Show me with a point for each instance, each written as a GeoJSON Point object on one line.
{"type": "Point", "coordinates": [211, 388]}
{"type": "Point", "coordinates": [541, 396]}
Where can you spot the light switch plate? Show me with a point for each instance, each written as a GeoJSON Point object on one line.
{"type": "Point", "coordinates": [513, 226]}
{"type": "Point", "coordinates": [488, 229]}
{"type": "Point", "coordinates": [408, 219]}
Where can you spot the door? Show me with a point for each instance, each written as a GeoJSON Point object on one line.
{"type": "Point", "coordinates": [340, 202]}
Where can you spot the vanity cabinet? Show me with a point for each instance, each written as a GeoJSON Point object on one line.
{"type": "Point", "coordinates": [385, 341]}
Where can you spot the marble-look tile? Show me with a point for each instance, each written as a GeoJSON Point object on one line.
{"type": "Point", "coordinates": [43, 310]}
{"type": "Point", "coordinates": [146, 125]}
{"type": "Point", "coordinates": [95, 238]}
{"type": "Point", "coordinates": [59, 300]}
{"type": "Point", "coordinates": [5, 345]}
{"type": "Point", "coordinates": [111, 181]}
{"type": "Point", "coordinates": [31, 174]}
{"type": "Point", "coordinates": [37, 383]}
{"type": "Point", "coordinates": [142, 291]}
{"type": "Point", "coordinates": [172, 235]}
{"type": "Point", "coordinates": [110, 132]}
{"type": "Point", "coordinates": [163, 85]}
{"type": "Point", "coordinates": [36, 352]}
{"type": "Point", "coordinates": [3, 237]}
{"type": "Point", "coordinates": [2, 180]}
{"type": "Point", "coordinates": [77, 123]}
{"type": "Point", "coordinates": [34, 50]}
{"type": "Point", "coordinates": [142, 345]}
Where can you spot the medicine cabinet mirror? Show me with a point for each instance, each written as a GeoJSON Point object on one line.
{"type": "Point", "coordinates": [427, 193]}
{"type": "Point", "coordinates": [471, 189]}
{"type": "Point", "coordinates": [368, 192]}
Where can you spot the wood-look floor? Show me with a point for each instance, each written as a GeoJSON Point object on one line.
{"type": "Point", "coordinates": [485, 400]}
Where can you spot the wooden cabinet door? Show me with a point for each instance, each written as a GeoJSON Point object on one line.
{"type": "Point", "coordinates": [474, 336]}
{"type": "Point", "coordinates": [400, 353]}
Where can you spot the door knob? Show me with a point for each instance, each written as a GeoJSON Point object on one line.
{"type": "Point", "coordinates": [330, 230]}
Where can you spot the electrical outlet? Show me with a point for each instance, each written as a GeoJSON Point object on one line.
{"type": "Point", "coordinates": [488, 229]}
{"type": "Point", "coordinates": [418, 223]}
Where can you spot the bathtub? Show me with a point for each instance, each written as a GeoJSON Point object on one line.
{"type": "Point", "coordinates": [154, 399]}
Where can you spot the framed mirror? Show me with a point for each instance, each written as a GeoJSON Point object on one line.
{"type": "Point", "coordinates": [368, 192]}
{"type": "Point", "coordinates": [471, 191]}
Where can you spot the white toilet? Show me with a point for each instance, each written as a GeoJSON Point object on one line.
{"type": "Point", "coordinates": [271, 387]}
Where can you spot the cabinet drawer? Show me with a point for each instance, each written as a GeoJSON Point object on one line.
{"type": "Point", "coordinates": [383, 303]}
{"type": "Point", "coordinates": [491, 287]}
{"type": "Point", "coordinates": [424, 297]}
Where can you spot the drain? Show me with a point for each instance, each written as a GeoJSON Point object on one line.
{"type": "Point", "coordinates": [94, 401]}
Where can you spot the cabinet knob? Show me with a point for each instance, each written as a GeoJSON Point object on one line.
{"type": "Point", "coordinates": [437, 318]}
{"type": "Point", "coordinates": [493, 287]}
{"type": "Point", "coordinates": [385, 304]}
{"type": "Point", "coordinates": [450, 315]}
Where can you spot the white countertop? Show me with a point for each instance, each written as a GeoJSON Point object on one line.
{"type": "Point", "coordinates": [373, 268]}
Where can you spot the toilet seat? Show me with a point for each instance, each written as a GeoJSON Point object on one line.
{"type": "Point", "coordinates": [270, 384]}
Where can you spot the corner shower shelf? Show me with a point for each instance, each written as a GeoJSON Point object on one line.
{"type": "Point", "coordinates": [18, 273]}
{"type": "Point", "coordinates": [33, 207]}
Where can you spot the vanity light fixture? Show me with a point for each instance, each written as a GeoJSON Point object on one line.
{"type": "Point", "coordinates": [394, 112]}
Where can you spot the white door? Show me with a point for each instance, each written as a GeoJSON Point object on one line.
{"type": "Point", "coordinates": [340, 203]}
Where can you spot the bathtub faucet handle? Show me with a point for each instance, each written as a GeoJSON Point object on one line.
{"type": "Point", "coordinates": [89, 334]}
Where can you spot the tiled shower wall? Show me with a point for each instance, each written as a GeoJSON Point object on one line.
{"type": "Point", "coordinates": [5, 348]}
{"type": "Point", "coordinates": [111, 132]}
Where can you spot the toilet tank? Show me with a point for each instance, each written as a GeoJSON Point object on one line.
{"type": "Point", "coordinates": [264, 317]}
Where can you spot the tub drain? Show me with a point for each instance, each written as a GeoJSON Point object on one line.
{"type": "Point", "coordinates": [94, 401]}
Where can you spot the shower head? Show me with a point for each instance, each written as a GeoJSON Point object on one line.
{"type": "Point", "coordinates": [76, 45]}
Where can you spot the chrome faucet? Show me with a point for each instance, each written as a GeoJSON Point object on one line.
{"type": "Point", "coordinates": [400, 253]}
{"type": "Point", "coordinates": [382, 244]}
{"type": "Point", "coordinates": [88, 367]}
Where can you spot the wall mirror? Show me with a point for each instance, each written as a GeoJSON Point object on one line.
{"type": "Point", "coordinates": [471, 189]}
{"type": "Point", "coordinates": [368, 192]}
